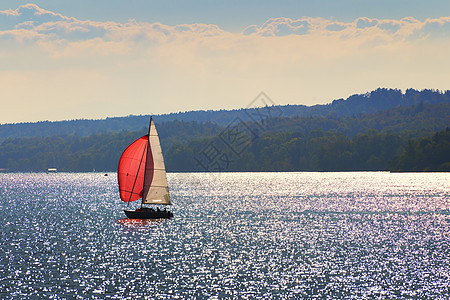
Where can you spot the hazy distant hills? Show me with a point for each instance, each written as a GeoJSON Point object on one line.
{"type": "Point", "coordinates": [381, 130]}
{"type": "Point", "coordinates": [353, 106]}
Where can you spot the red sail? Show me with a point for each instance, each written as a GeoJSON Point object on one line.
{"type": "Point", "coordinates": [132, 170]}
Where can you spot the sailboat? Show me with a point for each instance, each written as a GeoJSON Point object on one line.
{"type": "Point", "coordinates": [142, 175]}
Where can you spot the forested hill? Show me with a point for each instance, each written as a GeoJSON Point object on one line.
{"type": "Point", "coordinates": [411, 121]}
{"type": "Point", "coordinates": [363, 142]}
{"type": "Point", "coordinates": [375, 101]}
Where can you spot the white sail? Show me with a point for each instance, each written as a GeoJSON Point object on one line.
{"type": "Point", "coordinates": [156, 189]}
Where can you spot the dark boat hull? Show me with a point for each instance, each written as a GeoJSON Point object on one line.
{"type": "Point", "coordinates": [148, 214]}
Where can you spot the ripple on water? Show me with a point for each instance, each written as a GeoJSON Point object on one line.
{"type": "Point", "coordinates": [235, 235]}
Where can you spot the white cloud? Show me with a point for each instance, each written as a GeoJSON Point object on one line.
{"type": "Point", "coordinates": [29, 13]}
{"type": "Point", "coordinates": [31, 22]}
{"type": "Point", "coordinates": [362, 23]}
{"type": "Point", "coordinates": [437, 27]}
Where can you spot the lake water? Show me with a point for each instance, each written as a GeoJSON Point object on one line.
{"type": "Point", "coordinates": [233, 235]}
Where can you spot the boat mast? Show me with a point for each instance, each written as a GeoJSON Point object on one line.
{"type": "Point", "coordinates": [146, 157]}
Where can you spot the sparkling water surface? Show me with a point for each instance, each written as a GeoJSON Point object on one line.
{"type": "Point", "coordinates": [234, 235]}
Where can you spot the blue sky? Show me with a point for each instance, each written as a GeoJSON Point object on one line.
{"type": "Point", "coordinates": [95, 59]}
{"type": "Point", "coordinates": [234, 15]}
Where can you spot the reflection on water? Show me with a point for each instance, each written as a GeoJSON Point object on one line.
{"type": "Point", "coordinates": [140, 223]}
{"type": "Point", "coordinates": [235, 235]}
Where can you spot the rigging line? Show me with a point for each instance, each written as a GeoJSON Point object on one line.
{"type": "Point", "coordinates": [137, 173]}
{"type": "Point", "coordinates": [127, 191]}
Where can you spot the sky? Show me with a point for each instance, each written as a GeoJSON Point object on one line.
{"type": "Point", "coordinates": [84, 59]}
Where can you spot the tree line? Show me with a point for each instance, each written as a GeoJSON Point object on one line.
{"type": "Point", "coordinates": [290, 151]}
{"type": "Point", "coordinates": [425, 154]}
{"type": "Point", "coordinates": [100, 151]}
{"type": "Point", "coordinates": [374, 141]}
{"type": "Point", "coordinates": [271, 151]}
